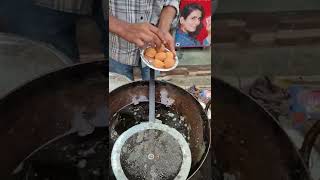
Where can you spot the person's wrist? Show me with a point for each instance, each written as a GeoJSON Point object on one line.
{"type": "Point", "coordinates": [121, 30]}
{"type": "Point", "coordinates": [164, 27]}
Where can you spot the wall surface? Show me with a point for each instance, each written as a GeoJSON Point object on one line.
{"type": "Point", "coordinates": [266, 6]}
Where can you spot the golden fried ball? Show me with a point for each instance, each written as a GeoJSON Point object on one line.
{"type": "Point", "coordinates": [169, 54]}
{"type": "Point", "coordinates": [158, 64]}
{"type": "Point", "coordinates": [169, 62]}
{"type": "Point", "coordinates": [161, 56]}
{"type": "Point", "coordinates": [150, 52]}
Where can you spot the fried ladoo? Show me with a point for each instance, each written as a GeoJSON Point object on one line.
{"type": "Point", "coordinates": [150, 52]}
{"type": "Point", "coordinates": [158, 64]}
{"type": "Point", "coordinates": [161, 56]}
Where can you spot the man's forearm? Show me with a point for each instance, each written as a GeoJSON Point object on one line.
{"type": "Point", "coordinates": [137, 33]}
{"type": "Point", "coordinates": [116, 26]}
{"type": "Point", "coordinates": [167, 16]}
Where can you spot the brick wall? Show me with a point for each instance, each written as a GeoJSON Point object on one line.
{"type": "Point", "coordinates": [268, 29]}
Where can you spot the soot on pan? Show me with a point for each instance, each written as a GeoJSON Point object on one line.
{"type": "Point", "coordinates": [132, 115]}
{"type": "Point", "coordinates": [70, 157]}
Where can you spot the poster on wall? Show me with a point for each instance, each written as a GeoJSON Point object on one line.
{"type": "Point", "coordinates": [194, 27]}
{"type": "Point", "coordinates": [304, 104]}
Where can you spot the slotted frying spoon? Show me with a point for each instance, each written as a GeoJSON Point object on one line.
{"type": "Point", "coordinates": [151, 150]}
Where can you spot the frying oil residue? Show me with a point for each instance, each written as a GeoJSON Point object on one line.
{"type": "Point", "coordinates": [165, 99]}
{"type": "Point", "coordinates": [132, 115]}
{"type": "Point", "coordinates": [137, 99]}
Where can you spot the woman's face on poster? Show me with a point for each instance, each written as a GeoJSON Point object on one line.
{"type": "Point", "coordinates": [192, 21]}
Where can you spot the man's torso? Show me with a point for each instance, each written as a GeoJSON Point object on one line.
{"type": "Point", "coordinates": [134, 11]}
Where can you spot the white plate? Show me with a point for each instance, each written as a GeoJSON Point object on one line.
{"type": "Point", "coordinates": [158, 69]}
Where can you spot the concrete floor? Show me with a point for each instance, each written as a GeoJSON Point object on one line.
{"type": "Point", "coordinates": [194, 56]}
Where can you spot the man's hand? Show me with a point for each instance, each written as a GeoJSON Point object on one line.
{"type": "Point", "coordinates": [166, 17]}
{"type": "Point", "coordinates": [170, 42]}
{"type": "Point", "coordinates": [141, 34]}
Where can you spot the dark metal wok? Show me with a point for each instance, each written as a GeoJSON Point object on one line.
{"type": "Point", "coordinates": [183, 104]}
{"type": "Point", "coordinates": [22, 60]}
{"type": "Point", "coordinates": [248, 142]}
{"type": "Point", "coordinates": [71, 98]}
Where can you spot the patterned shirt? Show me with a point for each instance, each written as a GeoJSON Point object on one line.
{"type": "Point", "coordinates": [134, 11]}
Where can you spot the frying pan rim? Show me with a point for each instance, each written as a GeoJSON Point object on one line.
{"type": "Point", "coordinates": [45, 75]}
{"type": "Point", "coordinates": [40, 77]}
